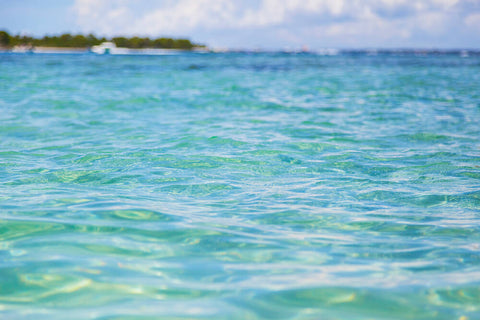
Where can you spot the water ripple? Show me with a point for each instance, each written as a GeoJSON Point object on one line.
{"type": "Point", "coordinates": [239, 186]}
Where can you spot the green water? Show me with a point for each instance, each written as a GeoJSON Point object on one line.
{"type": "Point", "coordinates": [240, 186]}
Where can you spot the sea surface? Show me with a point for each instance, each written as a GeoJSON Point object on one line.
{"type": "Point", "coordinates": [240, 186]}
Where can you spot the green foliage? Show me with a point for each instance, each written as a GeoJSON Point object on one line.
{"type": "Point", "coordinates": [20, 40]}
{"type": "Point", "coordinates": [183, 44]}
{"type": "Point", "coordinates": [120, 42]}
{"type": "Point", "coordinates": [4, 39]}
{"type": "Point", "coordinates": [63, 41]}
{"type": "Point", "coordinates": [163, 43]}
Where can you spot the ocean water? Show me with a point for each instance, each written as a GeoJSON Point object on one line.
{"type": "Point", "coordinates": [240, 186]}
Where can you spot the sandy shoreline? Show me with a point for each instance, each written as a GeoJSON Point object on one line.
{"type": "Point", "coordinates": [59, 49]}
{"type": "Point", "coordinates": [117, 50]}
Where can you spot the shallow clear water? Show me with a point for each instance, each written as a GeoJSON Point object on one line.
{"type": "Point", "coordinates": [239, 186]}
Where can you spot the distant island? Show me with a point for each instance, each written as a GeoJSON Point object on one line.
{"type": "Point", "coordinates": [68, 40]}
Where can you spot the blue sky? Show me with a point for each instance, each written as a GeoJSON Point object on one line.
{"type": "Point", "coordinates": [267, 24]}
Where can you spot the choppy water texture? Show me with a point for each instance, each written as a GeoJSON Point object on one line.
{"type": "Point", "coordinates": [239, 186]}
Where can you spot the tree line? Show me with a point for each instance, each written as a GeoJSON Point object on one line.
{"type": "Point", "coordinates": [68, 40]}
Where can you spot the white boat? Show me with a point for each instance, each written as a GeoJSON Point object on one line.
{"type": "Point", "coordinates": [105, 48]}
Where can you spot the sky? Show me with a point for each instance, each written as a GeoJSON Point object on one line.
{"type": "Point", "coordinates": [258, 24]}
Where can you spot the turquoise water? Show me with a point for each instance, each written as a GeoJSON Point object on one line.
{"type": "Point", "coordinates": [240, 186]}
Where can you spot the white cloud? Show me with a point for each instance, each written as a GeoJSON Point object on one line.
{"type": "Point", "coordinates": [385, 20]}
{"type": "Point", "coordinates": [473, 21]}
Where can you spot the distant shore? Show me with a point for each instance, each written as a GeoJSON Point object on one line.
{"type": "Point", "coordinates": [48, 49]}
{"type": "Point", "coordinates": [72, 42]}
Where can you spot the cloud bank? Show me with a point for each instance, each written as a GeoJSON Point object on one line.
{"type": "Point", "coordinates": [290, 23]}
